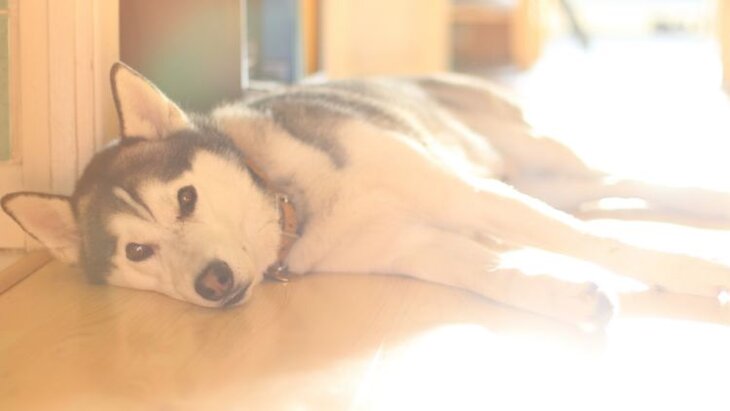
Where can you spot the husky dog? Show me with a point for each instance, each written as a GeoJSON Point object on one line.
{"type": "Point", "coordinates": [427, 177]}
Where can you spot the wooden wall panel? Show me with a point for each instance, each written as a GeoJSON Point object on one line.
{"type": "Point", "coordinates": [62, 88]}
{"type": "Point", "coordinates": [63, 109]}
{"type": "Point", "coordinates": [34, 94]}
{"type": "Point", "coordinates": [365, 37]}
{"type": "Point", "coordinates": [84, 78]}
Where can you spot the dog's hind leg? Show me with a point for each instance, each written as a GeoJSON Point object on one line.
{"type": "Point", "coordinates": [544, 168]}
{"type": "Point", "coordinates": [547, 169]}
{"type": "Point", "coordinates": [494, 208]}
{"type": "Point", "coordinates": [484, 109]}
{"type": "Point", "coordinates": [582, 196]}
{"type": "Point", "coordinates": [705, 206]}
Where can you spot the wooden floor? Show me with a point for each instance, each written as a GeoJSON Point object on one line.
{"type": "Point", "coordinates": [350, 342]}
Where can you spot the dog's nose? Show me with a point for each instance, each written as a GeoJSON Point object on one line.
{"type": "Point", "coordinates": [215, 282]}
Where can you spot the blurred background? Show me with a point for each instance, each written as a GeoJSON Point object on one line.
{"type": "Point", "coordinates": [288, 40]}
{"type": "Point", "coordinates": [617, 79]}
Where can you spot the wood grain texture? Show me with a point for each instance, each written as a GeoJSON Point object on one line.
{"type": "Point", "coordinates": [339, 341]}
{"type": "Point", "coordinates": [77, 346]}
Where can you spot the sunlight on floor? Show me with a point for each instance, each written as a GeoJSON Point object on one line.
{"type": "Point", "coordinates": [646, 364]}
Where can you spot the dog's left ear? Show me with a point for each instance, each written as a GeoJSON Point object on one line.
{"type": "Point", "coordinates": [49, 219]}
{"type": "Point", "coordinates": [144, 110]}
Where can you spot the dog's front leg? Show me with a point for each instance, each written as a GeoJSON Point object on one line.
{"type": "Point", "coordinates": [453, 259]}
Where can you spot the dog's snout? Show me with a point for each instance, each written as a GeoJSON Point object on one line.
{"type": "Point", "coordinates": [215, 282]}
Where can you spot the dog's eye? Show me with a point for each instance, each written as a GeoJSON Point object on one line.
{"type": "Point", "coordinates": [138, 252]}
{"type": "Point", "coordinates": [186, 198]}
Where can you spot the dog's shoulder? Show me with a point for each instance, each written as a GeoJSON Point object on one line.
{"type": "Point", "coordinates": [314, 114]}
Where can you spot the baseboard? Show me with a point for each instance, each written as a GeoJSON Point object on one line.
{"type": "Point", "coordinates": [23, 268]}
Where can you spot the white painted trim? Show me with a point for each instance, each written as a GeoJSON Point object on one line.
{"type": "Point", "coordinates": [64, 109]}
{"type": "Point", "coordinates": [85, 83]}
{"type": "Point", "coordinates": [62, 94]}
{"type": "Point", "coordinates": [14, 46]}
{"type": "Point", "coordinates": [106, 53]}
{"type": "Point", "coordinates": [11, 172]}
{"type": "Point", "coordinates": [33, 103]}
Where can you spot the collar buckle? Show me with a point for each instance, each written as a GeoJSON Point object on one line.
{"type": "Point", "coordinates": [278, 272]}
{"type": "Point", "coordinates": [289, 225]}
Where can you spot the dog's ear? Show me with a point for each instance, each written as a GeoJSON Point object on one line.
{"type": "Point", "coordinates": [49, 219]}
{"type": "Point", "coordinates": [143, 110]}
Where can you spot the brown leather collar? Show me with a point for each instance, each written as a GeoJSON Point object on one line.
{"type": "Point", "coordinates": [289, 224]}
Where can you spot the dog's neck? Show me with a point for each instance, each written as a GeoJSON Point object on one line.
{"type": "Point", "coordinates": [288, 222]}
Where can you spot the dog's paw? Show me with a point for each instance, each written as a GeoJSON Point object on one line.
{"type": "Point", "coordinates": [583, 304]}
{"type": "Point", "coordinates": [605, 306]}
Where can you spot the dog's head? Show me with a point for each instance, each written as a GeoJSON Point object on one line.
{"type": "Point", "coordinates": [171, 207]}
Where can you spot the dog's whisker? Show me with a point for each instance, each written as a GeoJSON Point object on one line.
{"type": "Point", "coordinates": [266, 225]}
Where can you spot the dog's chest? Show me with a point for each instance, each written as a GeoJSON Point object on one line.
{"type": "Point", "coordinates": [348, 213]}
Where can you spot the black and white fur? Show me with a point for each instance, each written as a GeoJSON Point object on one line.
{"type": "Point", "coordinates": [428, 177]}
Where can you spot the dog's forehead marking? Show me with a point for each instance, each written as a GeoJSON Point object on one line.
{"type": "Point", "coordinates": [136, 205]}
{"type": "Point", "coordinates": [82, 204]}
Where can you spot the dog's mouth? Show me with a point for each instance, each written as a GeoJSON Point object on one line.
{"type": "Point", "coordinates": [236, 297]}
